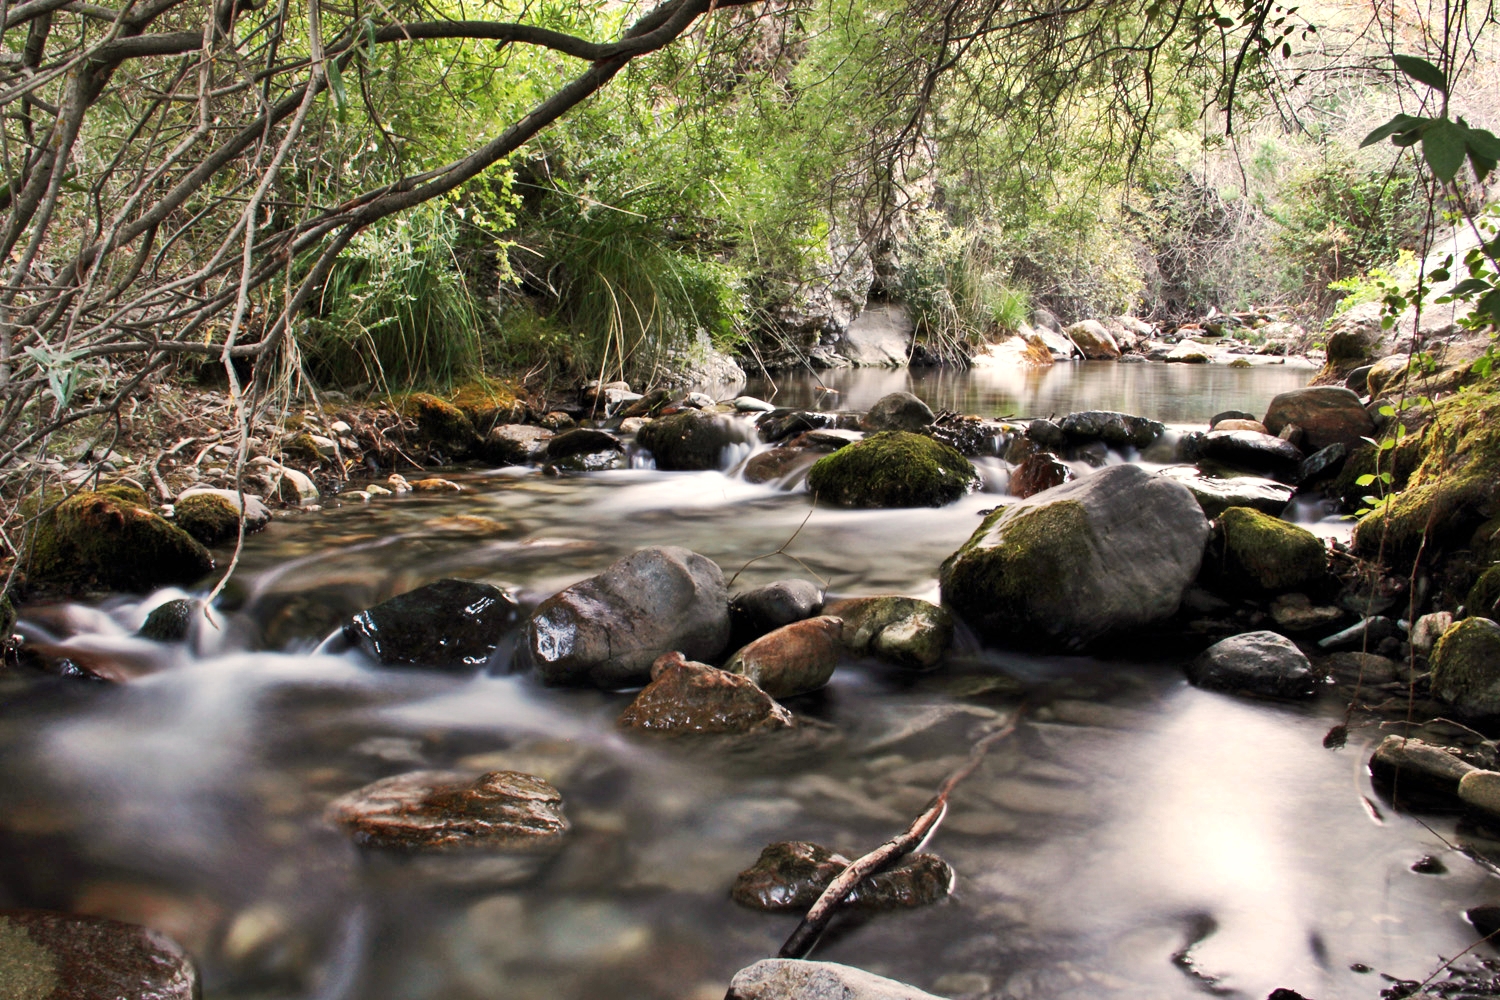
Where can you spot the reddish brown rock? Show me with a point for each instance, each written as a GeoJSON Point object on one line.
{"type": "Point", "coordinates": [777, 463]}
{"type": "Point", "coordinates": [792, 660]}
{"type": "Point", "coordinates": [1039, 471]}
{"type": "Point", "coordinates": [688, 697]}
{"type": "Point", "coordinates": [502, 811]}
{"type": "Point", "coordinates": [1236, 424]}
{"type": "Point", "coordinates": [59, 956]}
{"type": "Point", "coordinates": [1327, 414]}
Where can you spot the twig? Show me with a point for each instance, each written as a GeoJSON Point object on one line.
{"type": "Point", "coordinates": [155, 468]}
{"type": "Point", "coordinates": [783, 551]}
{"type": "Point", "coordinates": [812, 926]}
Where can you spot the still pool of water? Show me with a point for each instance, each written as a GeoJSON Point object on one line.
{"type": "Point", "coordinates": [1135, 837]}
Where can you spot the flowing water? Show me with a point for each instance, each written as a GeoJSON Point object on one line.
{"type": "Point", "coordinates": [1135, 837]}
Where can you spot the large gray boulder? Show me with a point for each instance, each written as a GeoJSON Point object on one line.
{"type": "Point", "coordinates": [608, 629]}
{"type": "Point", "coordinates": [881, 335]}
{"type": "Point", "coordinates": [1105, 554]}
{"type": "Point", "coordinates": [898, 411]}
{"type": "Point", "coordinates": [792, 979]}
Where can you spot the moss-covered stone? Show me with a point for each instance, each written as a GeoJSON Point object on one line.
{"type": "Point", "coordinates": [488, 403]}
{"type": "Point", "coordinates": [208, 517]}
{"type": "Point", "coordinates": [1466, 667]}
{"type": "Point", "coordinates": [1266, 553]}
{"type": "Point", "coordinates": [1030, 572]}
{"type": "Point", "coordinates": [96, 540]}
{"type": "Point", "coordinates": [170, 622]}
{"type": "Point", "coordinates": [893, 469]}
{"type": "Point", "coordinates": [440, 425]}
{"type": "Point", "coordinates": [1484, 594]}
{"type": "Point", "coordinates": [128, 492]}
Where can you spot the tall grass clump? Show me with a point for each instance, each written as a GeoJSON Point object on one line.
{"type": "Point", "coordinates": [957, 285]}
{"type": "Point", "coordinates": [396, 309]}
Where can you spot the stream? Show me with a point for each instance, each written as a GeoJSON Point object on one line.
{"type": "Point", "coordinates": [1136, 837]}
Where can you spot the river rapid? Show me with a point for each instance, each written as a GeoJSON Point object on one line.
{"type": "Point", "coordinates": [1136, 837]}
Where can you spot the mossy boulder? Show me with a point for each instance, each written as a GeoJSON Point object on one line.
{"type": "Point", "coordinates": [1484, 594]}
{"type": "Point", "coordinates": [442, 426]}
{"type": "Point", "coordinates": [1265, 553]}
{"type": "Point", "coordinates": [208, 517]}
{"type": "Point", "coordinates": [903, 630]}
{"type": "Point", "coordinates": [1466, 667]}
{"type": "Point", "coordinates": [488, 403]}
{"type": "Point", "coordinates": [692, 440]}
{"type": "Point", "coordinates": [1110, 553]}
{"type": "Point", "coordinates": [94, 540]}
{"type": "Point", "coordinates": [893, 469]}
{"type": "Point", "coordinates": [128, 492]}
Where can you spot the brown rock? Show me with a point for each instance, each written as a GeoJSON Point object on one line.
{"type": "Point", "coordinates": [1235, 424]}
{"type": "Point", "coordinates": [792, 660]}
{"type": "Point", "coordinates": [1039, 471]}
{"type": "Point", "coordinates": [792, 874]}
{"type": "Point", "coordinates": [446, 811]}
{"type": "Point", "coordinates": [777, 463]}
{"type": "Point", "coordinates": [57, 956]}
{"type": "Point", "coordinates": [689, 697]}
{"type": "Point", "coordinates": [1327, 414]}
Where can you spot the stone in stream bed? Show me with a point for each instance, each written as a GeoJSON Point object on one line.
{"type": "Point", "coordinates": [687, 697]}
{"type": "Point", "coordinates": [794, 659]}
{"type": "Point", "coordinates": [905, 631]}
{"type": "Point", "coordinates": [169, 622]}
{"type": "Point", "coordinates": [449, 625]}
{"type": "Point", "coordinates": [609, 629]}
{"type": "Point", "coordinates": [1263, 553]}
{"type": "Point", "coordinates": [1466, 668]}
{"type": "Point", "coordinates": [1217, 494]}
{"type": "Point", "coordinates": [692, 440]}
{"type": "Point", "coordinates": [1252, 451]}
{"type": "Point", "coordinates": [1327, 414]}
{"type": "Point", "coordinates": [60, 956]}
{"type": "Point", "coordinates": [753, 613]}
{"type": "Point", "coordinates": [897, 411]}
{"type": "Point", "coordinates": [795, 979]}
{"type": "Point", "coordinates": [96, 540]}
{"type": "Point", "coordinates": [893, 469]}
{"type": "Point", "coordinates": [1419, 766]}
{"type": "Point", "coordinates": [1261, 663]}
{"type": "Point", "coordinates": [1039, 471]}
{"type": "Point", "coordinates": [792, 874]}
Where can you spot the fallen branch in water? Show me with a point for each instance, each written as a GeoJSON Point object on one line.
{"type": "Point", "coordinates": [812, 926]}
{"type": "Point", "coordinates": [782, 551]}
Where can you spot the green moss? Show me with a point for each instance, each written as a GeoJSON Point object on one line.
{"type": "Point", "coordinates": [1466, 667]}
{"type": "Point", "coordinates": [1240, 363]}
{"type": "Point", "coordinates": [441, 425]}
{"type": "Point", "coordinates": [1443, 509]}
{"type": "Point", "coordinates": [1016, 573]}
{"type": "Point", "coordinates": [208, 517]}
{"type": "Point", "coordinates": [1484, 594]}
{"type": "Point", "coordinates": [128, 492]}
{"type": "Point", "coordinates": [488, 403]}
{"type": "Point", "coordinates": [893, 469]}
{"type": "Point", "coordinates": [1269, 554]}
{"type": "Point", "coordinates": [97, 540]}
{"type": "Point", "coordinates": [302, 446]}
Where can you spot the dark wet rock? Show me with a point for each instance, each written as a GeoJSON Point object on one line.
{"type": "Point", "coordinates": [607, 630]}
{"type": "Point", "coordinates": [792, 874]}
{"type": "Point", "coordinates": [1219, 418]}
{"type": "Point", "coordinates": [765, 609]}
{"type": "Point", "coordinates": [794, 979]}
{"type": "Point", "coordinates": [1327, 414]}
{"type": "Point", "coordinates": [898, 411]}
{"type": "Point", "coordinates": [826, 440]}
{"type": "Point", "coordinates": [1189, 446]}
{"type": "Point", "coordinates": [1216, 495]}
{"type": "Point", "coordinates": [689, 697]}
{"type": "Point", "coordinates": [440, 425]}
{"type": "Point", "coordinates": [210, 519]}
{"type": "Point", "coordinates": [1118, 430]}
{"type": "Point", "coordinates": [449, 625]}
{"type": "Point", "coordinates": [692, 440]}
{"type": "Point", "coordinates": [516, 444]}
{"type": "Point", "coordinates": [1253, 451]}
{"type": "Point", "coordinates": [96, 540]}
{"type": "Point", "coordinates": [1466, 667]}
{"type": "Point", "coordinates": [1039, 471]}
{"type": "Point", "coordinates": [1108, 553]}
{"type": "Point", "coordinates": [778, 425]}
{"type": "Point", "coordinates": [1483, 599]}
{"type": "Point", "coordinates": [1296, 613]}
{"type": "Point", "coordinates": [1429, 865]}
{"type": "Point", "coordinates": [581, 441]}
{"type": "Point", "coordinates": [893, 469]}
{"type": "Point", "coordinates": [794, 659]}
{"type": "Point", "coordinates": [452, 812]}
{"type": "Point", "coordinates": [1422, 766]}
{"type": "Point", "coordinates": [1323, 464]}
{"type": "Point", "coordinates": [1264, 553]}
{"type": "Point", "coordinates": [63, 956]}
{"type": "Point", "coordinates": [1363, 669]}
{"type": "Point", "coordinates": [1358, 381]}
{"type": "Point", "coordinates": [1364, 634]}
{"type": "Point", "coordinates": [969, 436]}
{"type": "Point", "coordinates": [1262, 663]}
{"type": "Point", "coordinates": [777, 463]}
{"type": "Point", "coordinates": [170, 622]}
{"type": "Point", "coordinates": [647, 406]}
{"type": "Point", "coordinates": [1486, 920]}
{"type": "Point", "coordinates": [902, 630]}
{"type": "Point", "coordinates": [1047, 434]}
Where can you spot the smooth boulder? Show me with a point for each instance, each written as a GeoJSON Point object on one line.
{"type": "Point", "coordinates": [897, 411]}
{"type": "Point", "coordinates": [893, 469]}
{"type": "Point", "coordinates": [1254, 451]}
{"type": "Point", "coordinates": [689, 697]}
{"type": "Point", "coordinates": [794, 979]}
{"type": "Point", "coordinates": [765, 609]}
{"type": "Point", "coordinates": [609, 629]}
{"type": "Point", "coordinates": [794, 659]}
{"type": "Point", "coordinates": [1264, 553]}
{"type": "Point", "coordinates": [1092, 340]}
{"type": "Point", "coordinates": [1109, 553]}
{"type": "Point", "coordinates": [1262, 663]}
{"type": "Point", "coordinates": [1327, 414]}
{"type": "Point", "coordinates": [449, 625]}
{"type": "Point", "coordinates": [692, 440]}
{"type": "Point", "coordinates": [516, 444]}
{"type": "Point", "coordinates": [1466, 668]}
{"type": "Point", "coordinates": [1216, 495]}
{"type": "Point", "coordinates": [66, 956]}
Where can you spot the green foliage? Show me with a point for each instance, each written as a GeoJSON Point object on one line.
{"type": "Point", "coordinates": [956, 282]}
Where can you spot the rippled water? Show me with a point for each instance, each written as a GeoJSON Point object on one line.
{"type": "Point", "coordinates": [1130, 819]}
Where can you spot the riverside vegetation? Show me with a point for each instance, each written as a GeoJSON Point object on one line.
{"type": "Point", "coordinates": [387, 303]}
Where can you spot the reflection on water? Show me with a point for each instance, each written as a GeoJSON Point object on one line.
{"type": "Point", "coordinates": [1130, 819]}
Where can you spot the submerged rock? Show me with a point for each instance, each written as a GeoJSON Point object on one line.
{"type": "Point", "coordinates": [893, 469]}
{"type": "Point", "coordinates": [791, 979]}
{"type": "Point", "coordinates": [794, 659]}
{"type": "Point", "coordinates": [448, 811]}
{"type": "Point", "coordinates": [689, 697]}
{"type": "Point", "coordinates": [792, 874]}
{"type": "Point", "coordinates": [170, 622]}
{"type": "Point", "coordinates": [902, 630]}
{"type": "Point", "coordinates": [1261, 663]}
{"type": "Point", "coordinates": [97, 540]}
{"type": "Point", "coordinates": [1265, 553]}
{"type": "Point", "coordinates": [64, 956]}
{"type": "Point", "coordinates": [1466, 667]}
{"type": "Point", "coordinates": [691, 440]}
{"type": "Point", "coordinates": [1108, 553]}
{"type": "Point", "coordinates": [607, 630]}
{"type": "Point", "coordinates": [450, 625]}
{"type": "Point", "coordinates": [777, 463]}
{"type": "Point", "coordinates": [1327, 414]}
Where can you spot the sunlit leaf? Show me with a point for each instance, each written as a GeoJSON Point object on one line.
{"type": "Point", "coordinates": [1423, 72]}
